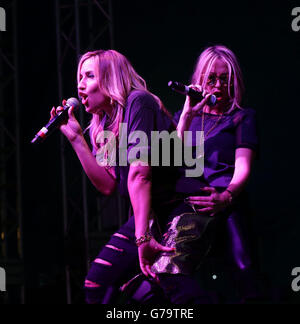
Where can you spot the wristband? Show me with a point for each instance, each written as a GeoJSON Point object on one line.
{"type": "Point", "coordinates": [143, 239]}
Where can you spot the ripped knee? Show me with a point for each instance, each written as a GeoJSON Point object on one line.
{"type": "Point", "coordinates": [121, 236]}
{"type": "Point", "coordinates": [114, 248]}
{"type": "Point", "coordinates": [91, 284]}
{"type": "Point", "coordinates": [101, 261]}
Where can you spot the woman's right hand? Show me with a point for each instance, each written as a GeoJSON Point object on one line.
{"type": "Point", "coordinates": [147, 255]}
{"type": "Point", "coordinates": [193, 107]}
{"type": "Point", "coordinates": [70, 128]}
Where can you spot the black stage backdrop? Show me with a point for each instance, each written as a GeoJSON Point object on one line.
{"type": "Point", "coordinates": [162, 39]}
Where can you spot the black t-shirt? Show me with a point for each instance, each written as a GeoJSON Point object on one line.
{"type": "Point", "coordinates": [235, 129]}
{"type": "Point", "coordinates": [142, 113]}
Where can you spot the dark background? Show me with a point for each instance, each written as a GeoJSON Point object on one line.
{"type": "Point", "coordinates": [163, 39]}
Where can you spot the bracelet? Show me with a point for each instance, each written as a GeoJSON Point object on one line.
{"type": "Point", "coordinates": [143, 239]}
{"type": "Point", "coordinates": [231, 195]}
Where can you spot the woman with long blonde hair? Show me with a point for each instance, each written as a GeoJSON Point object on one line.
{"type": "Point", "coordinates": [114, 94]}
{"type": "Point", "coordinates": [230, 142]}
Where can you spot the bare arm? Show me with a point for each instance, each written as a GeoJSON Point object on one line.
{"type": "Point", "coordinates": [216, 202]}
{"type": "Point", "coordinates": [184, 124]}
{"type": "Point", "coordinates": [243, 163]}
{"type": "Point", "coordinates": [98, 175]}
{"type": "Point", "coordinates": [139, 187]}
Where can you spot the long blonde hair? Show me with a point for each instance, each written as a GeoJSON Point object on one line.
{"type": "Point", "coordinates": [235, 80]}
{"type": "Point", "coordinates": [116, 79]}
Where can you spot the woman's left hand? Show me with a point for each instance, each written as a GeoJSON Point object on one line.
{"type": "Point", "coordinates": [212, 204]}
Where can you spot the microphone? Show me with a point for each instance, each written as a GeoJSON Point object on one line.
{"type": "Point", "coordinates": [183, 89]}
{"type": "Point", "coordinates": [56, 121]}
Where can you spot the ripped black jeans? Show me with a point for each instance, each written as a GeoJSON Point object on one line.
{"type": "Point", "coordinates": [117, 263]}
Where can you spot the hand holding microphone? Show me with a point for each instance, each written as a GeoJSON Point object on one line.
{"type": "Point", "coordinates": [196, 98]}
{"type": "Point", "coordinates": [197, 95]}
{"type": "Point", "coordinates": [70, 127]}
{"type": "Point", "coordinates": [63, 118]}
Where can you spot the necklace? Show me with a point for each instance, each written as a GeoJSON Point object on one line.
{"type": "Point", "coordinates": [200, 154]}
{"type": "Point", "coordinates": [212, 128]}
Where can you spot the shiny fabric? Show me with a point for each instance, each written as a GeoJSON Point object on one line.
{"type": "Point", "coordinates": [192, 235]}
{"type": "Point", "coordinates": [197, 236]}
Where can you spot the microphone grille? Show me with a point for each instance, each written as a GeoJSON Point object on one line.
{"type": "Point", "coordinates": [73, 102]}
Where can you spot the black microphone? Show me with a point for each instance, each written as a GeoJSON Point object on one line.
{"type": "Point", "coordinates": [56, 121]}
{"type": "Point", "coordinates": [183, 89]}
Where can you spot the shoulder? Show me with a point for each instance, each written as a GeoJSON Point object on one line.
{"type": "Point", "coordinates": [249, 111]}
{"type": "Point", "coordinates": [244, 111]}
{"type": "Point", "coordinates": [139, 99]}
{"type": "Point", "coordinates": [141, 109]}
{"type": "Point", "coordinates": [242, 114]}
